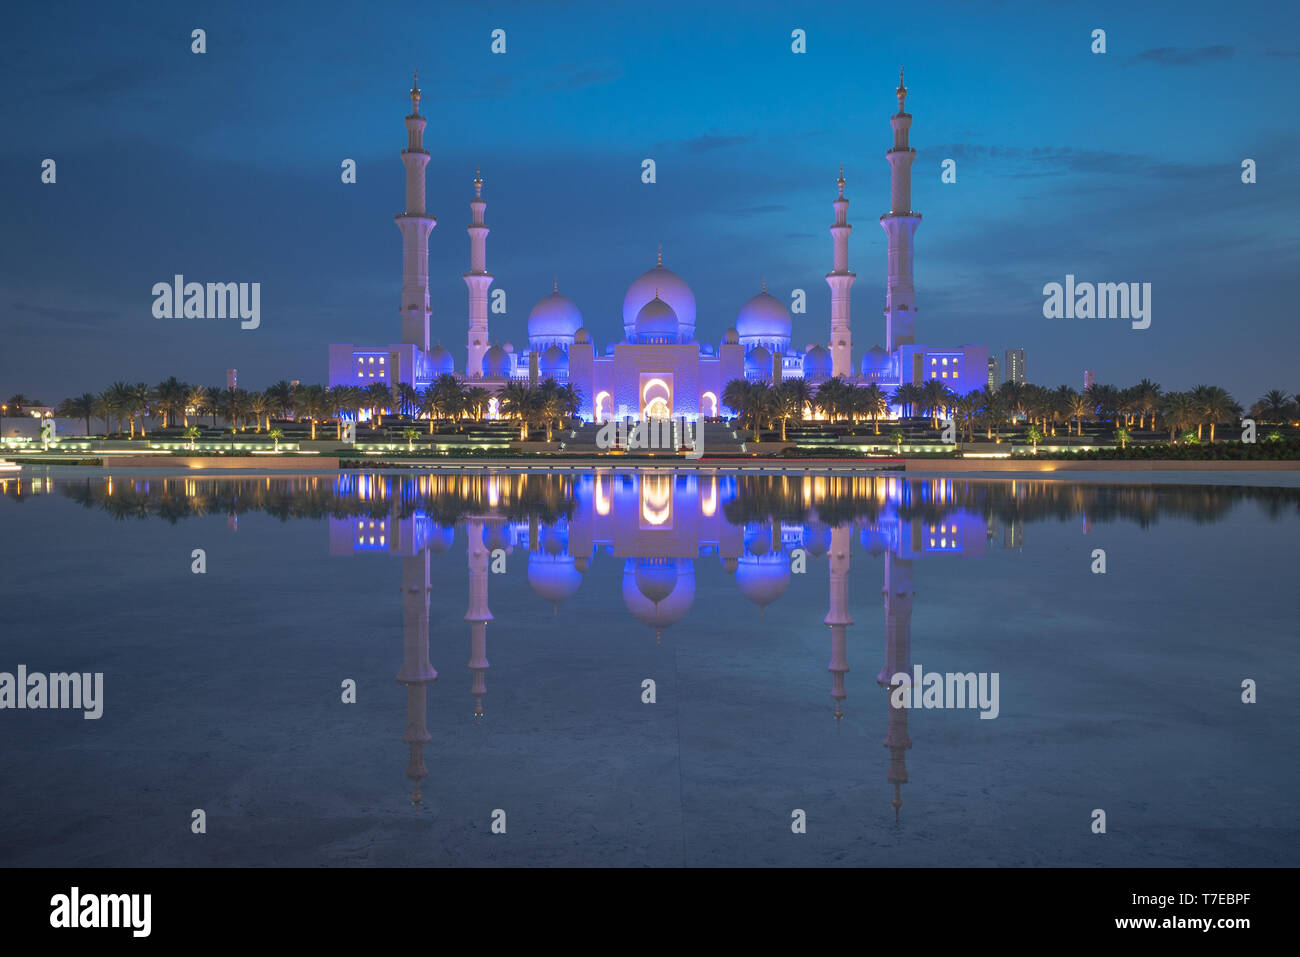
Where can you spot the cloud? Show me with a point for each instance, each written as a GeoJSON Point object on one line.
{"type": "Point", "coordinates": [1293, 52]}
{"type": "Point", "coordinates": [577, 77]}
{"type": "Point", "coordinates": [1176, 56]}
{"type": "Point", "coordinates": [1061, 160]}
{"type": "Point", "coordinates": [77, 318]}
{"type": "Point", "coordinates": [708, 142]}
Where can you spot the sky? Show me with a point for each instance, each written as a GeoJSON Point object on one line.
{"type": "Point", "coordinates": [1123, 166]}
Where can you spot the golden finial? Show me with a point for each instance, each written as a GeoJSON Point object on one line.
{"type": "Point", "coordinates": [660, 263]}
{"type": "Point", "coordinates": [901, 92]}
{"type": "Point", "coordinates": [555, 284]}
{"type": "Point", "coordinates": [764, 284]}
{"type": "Point", "coordinates": [415, 86]}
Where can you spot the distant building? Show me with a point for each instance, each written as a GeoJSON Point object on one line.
{"type": "Point", "coordinates": [1015, 366]}
{"type": "Point", "coordinates": [231, 378]}
{"type": "Point", "coordinates": [995, 372]}
{"type": "Point", "coordinates": [1087, 379]}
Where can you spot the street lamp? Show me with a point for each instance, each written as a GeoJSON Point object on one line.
{"type": "Point", "coordinates": [3, 409]}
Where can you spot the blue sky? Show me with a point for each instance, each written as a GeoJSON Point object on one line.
{"type": "Point", "coordinates": [225, 167]}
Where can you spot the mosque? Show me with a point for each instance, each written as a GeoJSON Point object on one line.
{"type": "Point", "coordinates": [659, 368]}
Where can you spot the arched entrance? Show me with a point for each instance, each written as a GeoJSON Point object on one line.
{"type": "Point", "coordinates": [656, 398]}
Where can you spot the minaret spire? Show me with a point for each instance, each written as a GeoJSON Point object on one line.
{"type": "Point", "coordinates": [415, 224]}
{"type": "Point", "coordinates": [478, 279]}
{"type": "Point", "coordinates": [841, 281]}
{"type": "Point", "coordinates": [900, 225]}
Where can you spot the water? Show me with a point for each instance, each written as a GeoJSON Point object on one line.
{"type": "Point", "coordinates": [222, 691]}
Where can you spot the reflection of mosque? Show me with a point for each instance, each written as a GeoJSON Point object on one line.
{"type": "Point", "coordinates": [658, 525]}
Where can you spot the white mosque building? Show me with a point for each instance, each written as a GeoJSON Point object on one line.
{"type": "Point", "coordinates": [659, 368]}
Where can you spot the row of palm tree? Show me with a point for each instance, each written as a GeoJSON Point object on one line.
{"type": "Point", "coordinates": [758, 404]}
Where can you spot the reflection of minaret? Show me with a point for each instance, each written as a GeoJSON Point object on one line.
{"type": "Point", "coordinates": [838, 617]}
{"type": "Point", "coordinates": [478, 614]}
{"type": "Point", "coordinates": [416, 672]}
{"type": "Point", "coordinates": [478, 279]}
{"type": "Point", "coordinates": [898, 594]}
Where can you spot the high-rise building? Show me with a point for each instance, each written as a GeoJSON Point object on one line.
{"type": "Point", "coordinates": [1015, 366]}
{"type": "Point", "coordinates": [231, 378]}
{"type": "Point", "coordinates": [995, 372]}
{"type": "Point", "coordinates": [1087, 379]}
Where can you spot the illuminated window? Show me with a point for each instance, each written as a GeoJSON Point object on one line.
{"type": "Point", "coordinates": [381, 360]}
{"type": "Point", "coordinates": [945, 361]}
{"type": "Point", "coordinates": [934, 362]}
{"type": "Point", "coordinates": [372, 360]}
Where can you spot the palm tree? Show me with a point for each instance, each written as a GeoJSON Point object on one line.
{"type": "Point", "coordinates": [1013, 398]}
{"type": "Point", "coordinates": [140, 396]}
{"type": "Point", "coordinates": [1273, 406]}
{"type": "Point", "coordinates": [747, 400]}
{"type": "Point", "coordinates": [281, 399]}
{"type": "Point", "coordinates": [968, 407]}
{"type": "Point", "coordinates": [1122, 435]}
{"type": "Point", "coordinates": [833, 398]}
{"type": "Point", "coordinates": [1034, 435]}
{"type": "Point", "coordinates": [993, 410]}
{"type": "Point", "coordinates": [313, 402]}
{"type": "Point", "coordinates": [1148, 394]}
{"type": "Point", "coordinates": [191, 433]}
{"type": "Point", "coordinates": [935, 398]}
{"type": "Point", "coordinates": [1214, 405]}
{"type": "Point", "coordinates": [410, 435]}
{"type": "Point", "coordinates": [907, 397]}
{"type": "Point", "coordinates": [104, 410]}
{"type": "Point", "coordinates": [81, 407]}
{"type": "Point", "coordinates": [260, 406]}
{"type": "Point", "coordinates": [337, 397]}
{"type": "Point", "coordinates": [1078, 409]}
{"type": "Point", "coordinates": [872, 403]}
{"type": "Point", "coordinates": [1179, 411]}
{"type": "Point", "coordinates": [276, 435]}
{"type": "Point", "coordinates": [170, 396]}
{"type": "Point", "coordinates": [787, 402]}
{"type": "Point", "coordinates": [519, 400]}
{"type": "Point", "coordinates": [476, 401]}
{"type": "Point", "coordinates": [802, 394]}
{"type": "Point", "coordinates": [196, 399]}
{"type": "Point", "coordinates": [408, 398]}
{"type": "Point", "coordinates": [549, 405]}
{"type": "Point", "coordinates": [379, 399]}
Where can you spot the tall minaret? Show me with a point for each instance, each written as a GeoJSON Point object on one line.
{"type": "Point", "coordinates": [417, 672]}
{"type": "Point", "coordinates": [899, 594]}
{"type": "Point", "coordinates": [841, 281]}
{"type": "Point", "coordinates": [900, 224]}
{"type": "Point", "coordinates": [415, 224]}
{"type": "Point", "coordinates": [478, 279]}
{"type": "Point", "coordinates": [478, 615]}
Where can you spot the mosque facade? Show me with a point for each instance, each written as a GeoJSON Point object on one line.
{"type": "Point", "coordinates": [659, 368]}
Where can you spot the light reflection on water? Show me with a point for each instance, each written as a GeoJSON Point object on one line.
{"type": "Point", "coordinates": [613, 577]}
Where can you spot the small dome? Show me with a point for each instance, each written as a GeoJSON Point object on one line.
{"type": "Point", "coordinates": [817, 538]}
{"type": "Point", "coordinates": [496, 363]}
{"type": "Point", "coordinates": [763, 317]}
{"type": "Point", "coordinates": [758, 361]}
{"type": "Point", "coordinates": [656, 321]}
{"type": "Point", "coordinates": [763, 580]}
{"type": "Point", "coordinates": [553, 577]}
{"type": "Point", "coordinates": [655, 579]}
{"type": "Point", "coordinates": [553, 360]}
{"type": "Point", "coordinates": [660, 283]}
{"type": "Point", "coordinates": [441, 538]}
{"type": "Point", "coordinates": [554, 317]}
{"type": "Point", "coordinates": [731, 337]}
{"type": "Point", "coordinates": [509, 347]}
{"type": "Point", "coordinates": [580, 337]}
{"type": "Point", "coordinates": [875, 361]}
{"type": "Point", "coordinates": [669, 609]}
{"type": "Point", "coordinates": [817, 363]}
{"type": "Point", "coordinates": [440, 361]}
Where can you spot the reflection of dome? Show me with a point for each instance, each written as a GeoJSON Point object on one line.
{"type": "Point", "coordinates": [816, 539]}
{"type": "Point", "coordinates": [758, 362]}
{"type": "Point", "coordinates": [581, 562]}
{"type": "Point", "coordinates": [729, 565]}
{"type": "Point", "coordinates": [731, 336]}
{"type": "Point", "coordinates": [874, 539]}
{"type": "Point", "coordinates": [441, 361]}
{"type": "Point", "coordinates": [666, 285]}
{"type": "Point", "coordinates": [758, 538]}
{"type": "Point", "coordinates": [656, 578]}
{"type": "Point", "coordinates": [656, 322]}
{"type": "Point", "coordinates": [554, 361]}
{"type": "Point", "coordinates": [817, 363]}
{"type": "Point", "coordinates": [496, 535]}
{"type": "Point", "coordinates": [496, 363]}
{"type": "Point", "coordinates": [553, 539]}
{"type": "Point", "coordinates": [553, 577]}
{"type": "Point", "coordinates": [554, 319]}
{"type": "Point", "coordinates": [764, 319]}
{"type": "Point", "coordinates": [673, 606]}
{"type": "Point", "coordinates": [441, 538]}
{"type": "Point", "coordinates": [763, 580]}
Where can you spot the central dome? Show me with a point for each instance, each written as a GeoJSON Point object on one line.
{"type": "Point", "coordinates": [656, 322]}
{"type": "Point", "coordinates": [663, 284]}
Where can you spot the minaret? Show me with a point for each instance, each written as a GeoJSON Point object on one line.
{"type": "Point", "coordinates": [478, 279]}
{"type": "Point", "coordinates": [415, 224]}
{"type": "Point", "coordinates": [900, 224]}
{"type": "Point", "coordinates": [838, 617]}
{"type": "Point", "coordinates": [841, 281]}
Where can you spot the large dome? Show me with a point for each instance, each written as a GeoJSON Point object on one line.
{"type": "Point", "coordinates": [496, 363]}
{"type": "Point", "coordinates": [639, 573]}
{"type": "Point", "coordinates": [764, 319]}
{"type": "Point", "coordinates": [656, 322]}
{"type": "Point", "coordinates": [441, 361]}
{"type": "Point", "coordinates": [763, 579]}
{"type": "Point", "coordinates": [666, 285]}
{"type": "Point", "coordinates": [758, 362]}
{"type": "Point", "coordinates": [553, 577]}
{"type": "Point", "coordinates": [555, 318]}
